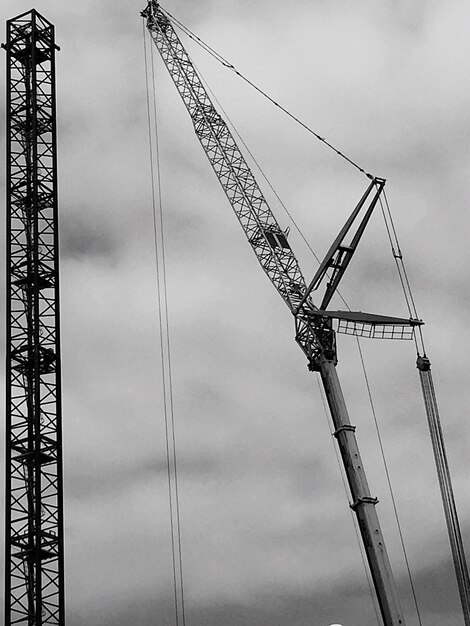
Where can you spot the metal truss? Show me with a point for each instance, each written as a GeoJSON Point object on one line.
{"type": "Point", "coordinates": [269, 242]}
{"type": "Point", "coordinates": [34, 571]}
{"type": "Point", "coordinates": [264, 234]}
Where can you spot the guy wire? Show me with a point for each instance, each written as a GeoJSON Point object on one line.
{"type": "Point", "coordinates": [401, 269]}
{"type": "Point", "coordinates": [231, 67]}
{"type": "Point", "coordinates": [167, 387]}
{"type": "Point", "coordinates": [411, 309]}
{"type": "Point", "coordinates": [389, 481]}
{"type": "Point", "coordinates": [397, 254]}
{"type": "Point", "coordinates": [353, 518]}
{"type": "Point", "coordinates": [363, 365]}
{"type": "Point", "coordinates": [170, 377]}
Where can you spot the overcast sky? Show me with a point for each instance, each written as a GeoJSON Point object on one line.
{"type": "Point", "coordinates": [268, 539]}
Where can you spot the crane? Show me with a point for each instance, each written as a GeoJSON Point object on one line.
{"type": "Point", "coordinates": [315, 327]}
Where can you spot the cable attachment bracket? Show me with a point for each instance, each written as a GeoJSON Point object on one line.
{"type": "Point", "coordinates": [345, 428]}
{"type": "Point", "coordinates": [364, 500]}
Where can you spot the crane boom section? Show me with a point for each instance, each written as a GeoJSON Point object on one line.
{"type": "Point", "coordinates": [261, 228]}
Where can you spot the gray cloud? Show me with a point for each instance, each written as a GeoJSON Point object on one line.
{"type": "Point", "coordinates": [279, 607]}
{"type": "Point", "coordinates": [267, 532]}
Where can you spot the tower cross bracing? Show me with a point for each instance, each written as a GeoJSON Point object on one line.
{"type": "Point", "coordinates": [34, 572]}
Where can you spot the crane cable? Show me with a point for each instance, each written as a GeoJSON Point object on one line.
{"type": "Point", "coordinates": [298, 229]}
{"type": "Point", "coordinates": [401, 269]}
{"type": "Point", "coordinates": [258, 166]}
{"type": "Point", "coordinates": [218, 57]}
{"type": "Point", "coordinates": [425, 374]}
{"type": "Point", "coordinates": [389, 482]}
{"type": "Point", "coordinates": [361, 356]}
{"type": "Point", "coordinates": [434, 423]}
{"type": "Point", "coordinates": [165, 346]}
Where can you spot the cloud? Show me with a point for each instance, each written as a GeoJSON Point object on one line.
{"type": "Point", "coordinates": [280, 607]}
{"type": "Point", "coordinates": [267, 532]}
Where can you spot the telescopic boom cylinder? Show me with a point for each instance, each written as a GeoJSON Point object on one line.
{"type": "Point", "coordinates": [363, 504]}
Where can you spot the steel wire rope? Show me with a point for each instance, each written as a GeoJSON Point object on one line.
{"type": "Point", "coordinates": [170, 376]}
{"type": "Point", "coordinates": [435, 428]}
{"type": "Point", "coordinates": [316, 258]}
{"type": "Point", "coordinates": [231, 67]}
{"type": "Point", "coordinates": [167, 386]}
{"type": "Point", "coordinates": [404, 278]}
{"type": "Point", "coordinates": [361, 356]}
{"type": "Point", "coordinates": [258, 166]}
{"type": "Point", "coordinates": [354, 522]}
{"type": "Point", "coordinates": [401, 269]}
{"type": "Point", "coordinates": [411, 309]}
{"type": "Point", "coordinates": [389, 481]}
{"type": "Point", "coordinates": [289, 214]}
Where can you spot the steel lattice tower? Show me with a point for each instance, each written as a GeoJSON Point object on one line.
{"type": "Point", "coordinates": [34, 571]}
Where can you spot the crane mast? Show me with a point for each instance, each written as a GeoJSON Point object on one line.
{"type": "Point", "coordinates": [314, 327]}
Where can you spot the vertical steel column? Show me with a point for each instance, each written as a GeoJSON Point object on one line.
{"type": "Point", "coordinates": [34, 568]}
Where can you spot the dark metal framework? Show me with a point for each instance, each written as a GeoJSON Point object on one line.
{"type": "Point", "coordinates": [34, 571]}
